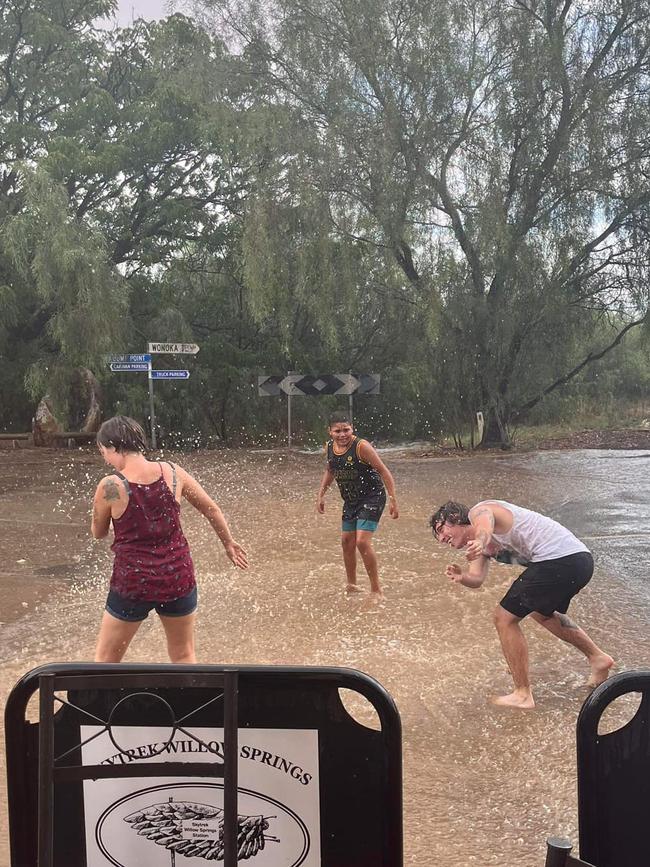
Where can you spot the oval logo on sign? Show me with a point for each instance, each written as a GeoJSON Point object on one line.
{"type": "Point", "coordinates": [185, 820]}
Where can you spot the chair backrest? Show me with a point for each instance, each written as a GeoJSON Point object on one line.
{"type": "Point", "coordinates": [614, 776]}
{"type": "Point", "coordinates": [127, 761]}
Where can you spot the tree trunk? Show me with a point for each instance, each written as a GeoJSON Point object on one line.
{"type": "Point", "coordinates": [495, 432]}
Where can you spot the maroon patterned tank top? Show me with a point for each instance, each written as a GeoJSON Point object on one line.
{"type": "Point", "coordinates": [152, 557]}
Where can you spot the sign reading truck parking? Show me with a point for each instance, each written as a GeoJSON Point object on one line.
{"type": "Point", "coordinates": [174, 348]}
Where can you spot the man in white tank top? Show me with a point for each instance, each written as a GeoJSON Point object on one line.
{"type": "Point", "coordinates": [558, 565]}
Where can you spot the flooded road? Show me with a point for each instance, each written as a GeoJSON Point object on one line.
{"type": "Point", "coordinates": [482, 785]}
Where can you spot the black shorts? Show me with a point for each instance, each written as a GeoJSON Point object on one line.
{"type": "Point", "coordinates": [549, 585]}
{"type": "Point", "coordinates": [363, 514]}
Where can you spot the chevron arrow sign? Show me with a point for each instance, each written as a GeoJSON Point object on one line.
{"type": "Point", "coordinates": [329, 383]}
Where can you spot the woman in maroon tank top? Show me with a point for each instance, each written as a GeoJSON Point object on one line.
{"type": "Point", "coordinates": [153, 567]}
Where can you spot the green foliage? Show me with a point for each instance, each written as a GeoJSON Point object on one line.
{"type": "Point", "coordinates": [64, 264]}
{"type": "Point", "coordinates": [493, 142]}
{"type": "Point", "coordinates": [451, 194]}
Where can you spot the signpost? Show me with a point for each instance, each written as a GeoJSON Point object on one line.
{"type": "Point", "coordinates": [174, 348]}
{"type": "Point", "coordinates": [135, 366]}
{"type": "Point", "coordinates": [329, 383]}
{"type": "Point", "coordinates": [170, 374]}
{"type": "Point", "coordinates": [141, 363]}
{"type": "Point", "coordinates": [130, 358]}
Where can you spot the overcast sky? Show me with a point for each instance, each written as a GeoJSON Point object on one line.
{"type": "Point", "coordinates": [128, 10]}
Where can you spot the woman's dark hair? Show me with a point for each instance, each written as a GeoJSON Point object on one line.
{"type": "Point", "coordinates": [123, 434]}
{"type": "Point", "coordinates": [450, 513]}
{"type": "Point", "coordinates": [339, 418]}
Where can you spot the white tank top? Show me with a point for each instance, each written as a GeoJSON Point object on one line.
{"type": "Point", "coordinates": [535, 536]}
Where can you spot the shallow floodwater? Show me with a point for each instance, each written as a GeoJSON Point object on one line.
{"type": "Point", "coordinates": [482, 785]}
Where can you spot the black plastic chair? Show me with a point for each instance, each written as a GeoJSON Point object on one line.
{"type": "Point", "coordinates": [558, 854]}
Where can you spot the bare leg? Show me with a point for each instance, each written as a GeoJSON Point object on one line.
{"type": "Point", "coordinates": [515, 650]}
{"type": "Point", "coordinates": [563, 627]}
{"type": "Point", "coordinates": [114, 638]}
{"type": "Point", "coordinates": [364, 546]}
{"type": "Point", "coordinates": [349, 545]}
{"type": "Point", "coordinates": [180, 637]}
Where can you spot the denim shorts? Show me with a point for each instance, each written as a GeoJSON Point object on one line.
{"type": "Point", "coordinates": [134, 610]}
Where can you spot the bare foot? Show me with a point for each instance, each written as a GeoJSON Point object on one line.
{"type": "Point", "coordinates": [373, 599]}
{"type": "Point", "coordinates": [519, 700]}
{"type": "Point", "coordinates": [600, 667]}
{"type": "Point", "coordinates": [350, 589]}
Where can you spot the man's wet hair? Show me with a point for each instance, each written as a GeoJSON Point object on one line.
{"type": "Point", "coordinates": [124, 434]}
{"type": "Point", "coordinates": [339, 418]}
{"type": "Point", "coordinates": [450, 513]}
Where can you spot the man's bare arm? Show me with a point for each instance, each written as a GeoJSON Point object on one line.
{"type": "Point", "coordinates": [482, 519]}
{"type": "Point", "coordinates": [472, 577]}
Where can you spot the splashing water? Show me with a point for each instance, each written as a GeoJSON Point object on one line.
{"type": "Point", "coordinates": [482, 785]}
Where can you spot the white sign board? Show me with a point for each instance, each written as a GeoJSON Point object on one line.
{"type": "Point", "coordinates": [122, 366]}
{"type": "Point", "coordinates": [150, 820]}
{"type": "Point", "coordinates": [174, 348]}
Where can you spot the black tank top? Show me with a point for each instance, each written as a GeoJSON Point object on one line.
{"type": "Point", "coordinates": [356, 479]}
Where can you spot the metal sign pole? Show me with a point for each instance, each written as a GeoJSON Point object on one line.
{"type": "Point", "coordinates": [152, 412]}
{"type": "Point", "coordinates": [289, 417]}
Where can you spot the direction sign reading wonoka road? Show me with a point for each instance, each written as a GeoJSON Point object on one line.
{"type": "Point", "coordinates": [174, 348]}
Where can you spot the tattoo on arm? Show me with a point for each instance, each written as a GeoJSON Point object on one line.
{"type": "Point", "coordinates": [566, 621]}
{"type": "Point", "coordinates": [484, 510]}
{"type": "Point", "coordinates": [111, 490]}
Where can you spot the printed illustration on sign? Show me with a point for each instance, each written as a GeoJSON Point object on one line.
{"type": "Point", "coordinates": [197, 829]}
{"type": "Point", "coordinates": [150, 820]}
{"type": "Point", "coordinates": [188, 823]}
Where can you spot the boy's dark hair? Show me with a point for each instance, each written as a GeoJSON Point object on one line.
{"type": "Point", "coordinates": [124, 434]}
{"type": "Point", "coordinates": [339, 418]}
{"type": "Point", "coordinates": [450, 513]}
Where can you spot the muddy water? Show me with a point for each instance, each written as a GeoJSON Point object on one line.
{"type": "Point", "coordinates": [482, 785]}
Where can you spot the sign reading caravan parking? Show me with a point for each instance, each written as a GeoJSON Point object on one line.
{"type": "Point", "coordinates": [148, 820]}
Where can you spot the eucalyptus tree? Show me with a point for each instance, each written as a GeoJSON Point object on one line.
{"type": "Point", "coordinates": [498, 150]}
{"type": "Point", "coordinates": [47, 53]}
{"type": "Point", "coordinates": [120, 149]}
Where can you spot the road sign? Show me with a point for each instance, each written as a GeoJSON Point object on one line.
{"type": "Point", "coordinates": [269, 386]}
{"type": "Point", "coordinates": [124, 358]}
{"type": "Point", "coordinates": [170, 374]}
{"type": "Point", "coordinates": [174, 348]}
{"type": "Point", "coordinates": [368, 383]}
{"type": "Point", "coordinates": [330, 383]}
{"type": "Point", "coordinates": [123, 366]}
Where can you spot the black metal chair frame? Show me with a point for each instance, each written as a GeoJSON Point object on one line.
{"type": "Point", "coordinates": [588, 745]}
{"type": "Point", "coordinates": [51, 772]}
{"type": "Point", "coordinates": [558, 854]}
{"type": "Point", "coordinates": [50, 680]}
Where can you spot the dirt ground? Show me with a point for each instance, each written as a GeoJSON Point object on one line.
{"type": "Point", "coordinates": [482, 786]}
{"type": "Point", "coordinates": [633, 438]}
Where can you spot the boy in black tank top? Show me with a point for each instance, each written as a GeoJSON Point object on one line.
{"type": "Point", "coordinates": [363, 480]}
